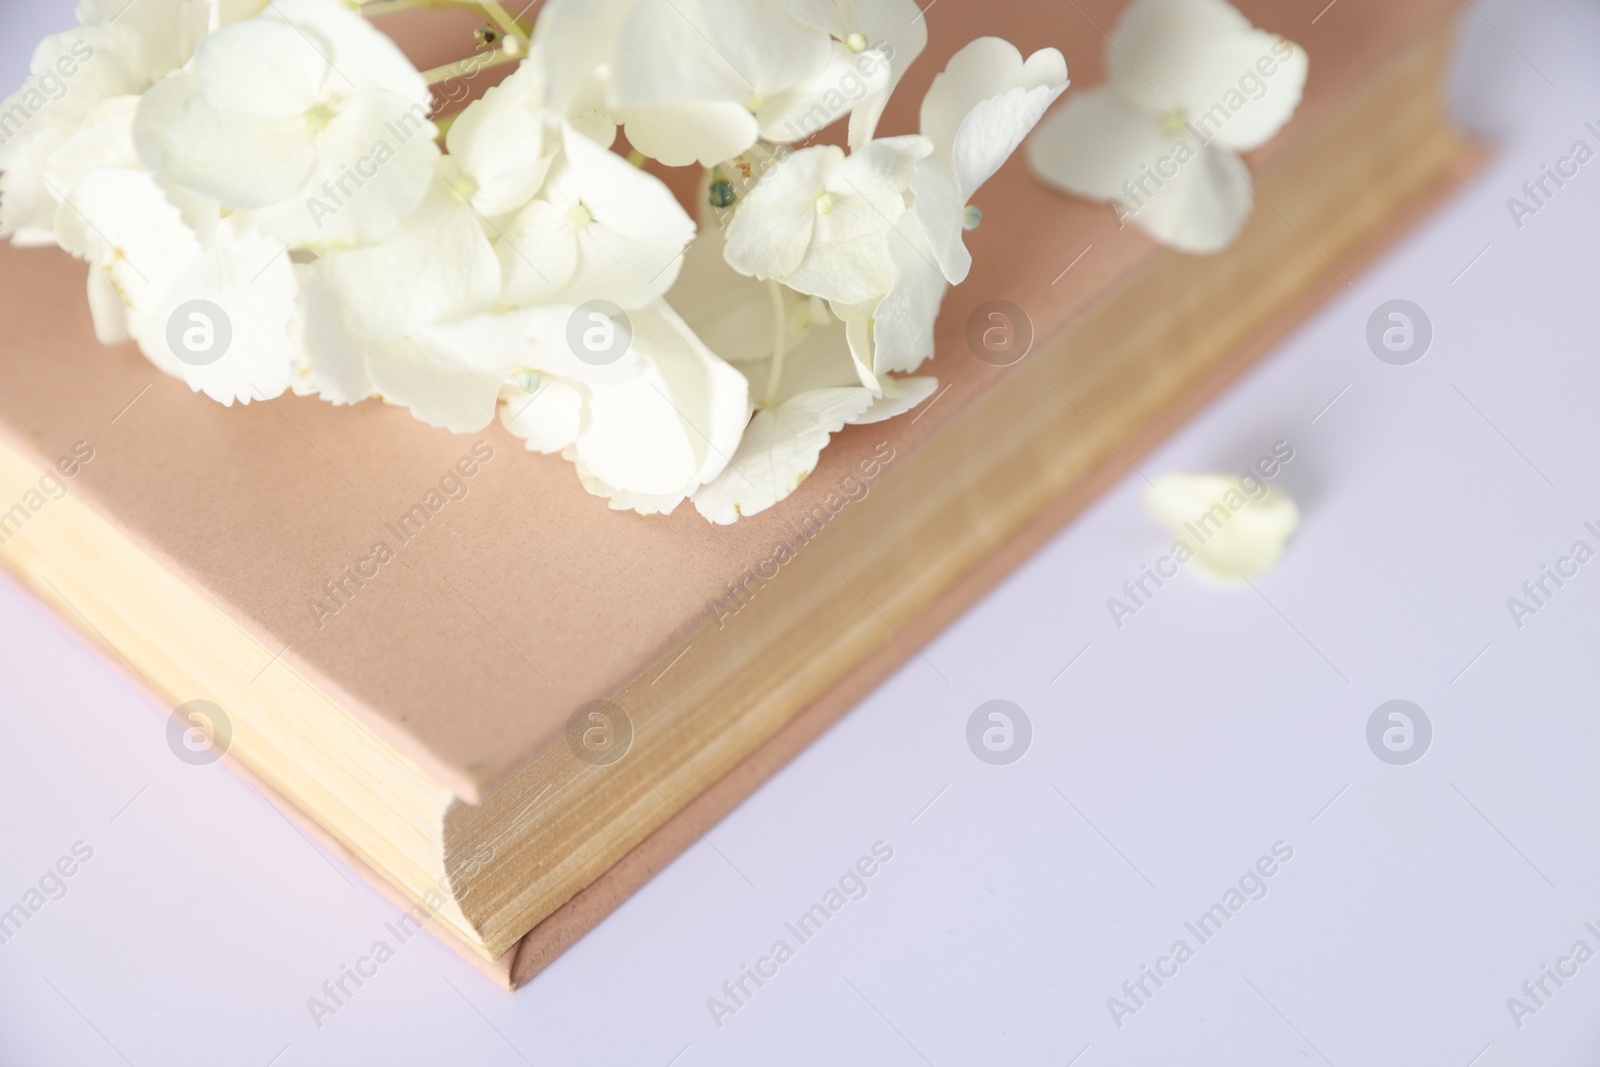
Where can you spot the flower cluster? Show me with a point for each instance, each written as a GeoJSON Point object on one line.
{"type": "Point", "coordinates": [269, 202]}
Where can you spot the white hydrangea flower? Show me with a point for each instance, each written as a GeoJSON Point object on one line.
{"type": "Point", "coordinates": [367, 309]}
{"type": "Point", "coordinates": [805, 383]}
{"type": "Point", "coordinates": [600, 229]}
{"type": "Point", "coordinates": [235, 285]}
{"type": "Point", "coordinates": [820, 390]}
{"type": "Point", "coordinates": [1192, 84]}
{"type": "Point", "coordinates": [450, 263]}
{"type": "Point", "coordinates": [820, 221]}
{"type": "Point", "coordinates": [146, 270]}
{"type": "Point", "coordinates": [1231, 529]}
{"type": "Point", "coordinates": [730, 312]}
{"type": "Point", "coordinates": [310, 119]}
{"type": "Point", "coordinates": [167, 31]}
{"type": "Point", "coordinates": [503, 143]}
{"type": "Point", "coordinates": [342, 365]}
{"type": "Point", "coordinates": [701, 80]}
{"type": "Point", "coordinates": [645, 431]}
{"type": "Point", "coordinates": [122, 48]}
{"type": "Point", "coordinates": [125, 297]}
{"type": "Point", "coordinates": [438, 267]}
{"type": "Point", "coordinates": [975, 114]}
{"type": "Point", "coordinates": [333, 358]}
{"type": "Point", "coordinates": [897, 27]}
{"type": "Point", "coordinates": [104, 140]}
{"type": "Point", "coordinates": [71, 74]}
{"type": "Point", "coordinates": [260, 196]}
{"type": "Point", "coordinates": [896, 334]}
{"type": "Point", "coordinates": [573, 44]}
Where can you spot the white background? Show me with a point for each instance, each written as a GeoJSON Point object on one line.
{"type": "Point", "coordinates": [1170, 756]}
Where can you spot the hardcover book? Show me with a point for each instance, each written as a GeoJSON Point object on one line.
{"type": "Point", "coordinates": [509, 706]}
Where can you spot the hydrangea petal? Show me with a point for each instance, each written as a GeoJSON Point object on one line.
{"type": "Point", "coordinates": [902, 326]}
{"type": "Point", "coordinates": [821, 360]}
{"type": "Point", "coordinates": [679, 134]}
{"type": "Point", "coordinates": [243, 136]}
{"type": "Point", "coordinates": [771, 231]}
{"type": "Point", "coordinates": [729, 311]}
{"type": "Point", "coordinates": [106, 308]}
{"type": "Point", "coordinates": [300, 97]}
{"type": "Point", "coordinates": [119, 220]}
{"type": "Point", "coordinates": [899, 25]}
{"type": "Point", "coordinates": [499, 141]}
{"type": "Point", "coordinates": [846, 82]}
{"type": "Point", "coordinates": [535, 339]}
{"type": "Point", "coordinates": [37, 119]}
{"type": "Point", "coordinates": [373, 163]}
{"type": "Point", "coordinates": [689, 76]}
{"type": "Point", "coordinates": [1252, 108]}
{"type": "Point", "coordinates": [106, 140]}
{"type": "Point", "coordinates": [438, 267]}
{"type": "Point", "coordinates": [780, 449]}
{"type": "Point", "coordinates": [249, 277]}
{"type": "Point", "coordinates": [977, 111]}
{"type": "Point", "coordinates": [538, 254]}
{"type": "Point", "coordinates": [1203, 209]}
{"type": "Point", "coordinates": [168, 30]}
{"type": "Point", "coordinates": [446, 397]}
{"type": "Point", "coordinates": [674, 428]}
{"type": "Point", "coordinates": [881, 170]}
{"type": "Point", "coordinates": [900, 395]}
{"type": "Point", "coordinates": [818, 221]}
{"type": "Point", "coordinates": [361, 56]}
{"type": "Point", "coordinates": [571, 40]}
{"type": "Point", "coordinates": [987, 68]}
{"type": "Point", "coordinates": [1095, 142]}
{"type": "Point", "coordinates": [1161, 54]}
{"type": "Point", "coordinates": [547, 420]}
{"type": "Point", "coordinates": [334, 363]}
{"type": "Point", "coordinates": [1232, 535]}
{"type": "Point", "coordinates": [640, 210]}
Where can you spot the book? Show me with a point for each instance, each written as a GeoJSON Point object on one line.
{"type": "Point", "coordinates": [509, 706]}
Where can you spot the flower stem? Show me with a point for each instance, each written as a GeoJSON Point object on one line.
{"type": "Point", "coordinates": [466, 68]}
{"type": "Point", "coordinates": [444, 122]}
{"type": "Point", "coordinates": [375, 8]}
{"type": "Point", "coordinates": [780, 344]}
{"type": "Point", "coordinates": [493, 8]}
